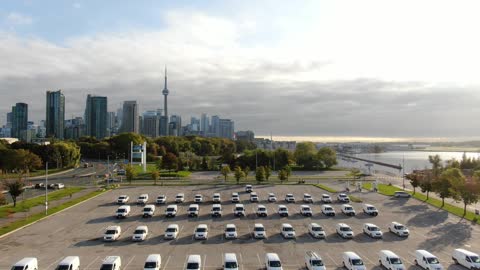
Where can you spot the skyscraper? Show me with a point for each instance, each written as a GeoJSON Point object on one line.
{"type": "Point", "coordinates": [130, 117]}
{"type": "Point", "coordinates": [165, 107]}
{"type": "Point", "coordinates": [19, 120]}
{"type": "Point", "coordinates": [111, 123]}
{"type": "Point", "coordinates": [204, 124]}
{"type": "Point", "coordinates": [96, 117]}
{"type": "Point", "coordinates": [226, 129]}
{"type": "Point", "coordinates": [55, 114]}
{"type": "Point", "coordinates": [215, 128]}
{"type": "Point", "coordinates": [151, 123]}
{"type": "Point", "coordinates": [176, 125]}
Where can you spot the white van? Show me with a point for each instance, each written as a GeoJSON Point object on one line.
{"type": "Point", "coordinates": [390, 260]}
{"type": "Point", "coordinates": [216, 210]}
{"type": "Point", "coordinates": [28, 263]}
{"type": "Point", "coordinates": [272, 262]}
{"type": "Point", "coordinates": [235, 197]}
{"type": "Point", "coordinates": [180, 198]}
{"type": "Point", "coordinates": [239, 210]}
{"type": "Point", "coordinates": [344, 230]}
{"type": "Point", "coordinates": [230, 231]}
{"type": "Point", "coordinates": [111, 263]}
{"type": "Point", "coordinates": [289, 198]}
{"type": "Point", "coordinates": [307, 198]}
{"type": "Point", "coordinates": [316, 230]}
{"type": "Point", "coordinates": [370, 210]}
{"type": "Point", "coordinates": [193, 210]}
{"type": "Point", "coordinates": [171, 210]}
{"type": "Point", "coordinates": [153, 262]}
{"type": "Point", "coordinates": [253, 197]}
{"type": "Point", "coordinates": [259, 231]}
{"type": "Point", "coordinates": [194, 262]}
{"type": "Point", "coordinates": [398, 229]}
{"type": "Point", "coordinates": [427, 260]}
{"type": "Point", "coordinates": [69, 263]}
{"type": "Point", "coordinates": [123, 199]}
{"type": "Point", "coordinates": [142, 199]}
{"type": "Point", "coordinates": [272, 197]}
{"type": "Point", "coordinates": [123, 211]}
{"type": "Point", "coordinates": [328, 210]}
{"type": "Point", "coordinates": [352, 261]}
{"type": "Point", "coordinates": [216, 198]}
{"type": "Point", "coordinates": [342, 197]}
{"type": "Point", "coordinates": [161, 199]}
{"type": "Point", "coordinates": [198, 198]}
{"type": "Point", "coordinates": [201, 232]}
{"type": "Point", "coordinates": [372, 230]}
{"type": "Point", "coordinates": [326, 198]}
{"type": "Point", "coordinates": [112, 233]}
{"type": "Point", "coordinates": [313, 261]}
{"type": "Point", "coordinates": [287, 231]}
{"type": "Point", "coordinates": [262, 211]}
{"type": "Point", "coordinates": [248, 188]}
{"type": "Point", "coordinates": [305, 210]}
{"type": "Point", "coordinates": [230, 262]}
{"type": "Point", "coordinates": [283, 210]}
{"type": "Point", "coordinates": [140, 233]}
{"type": "Point", "coordinates": [348, 210]}
{"type": "Point", "coordinates": [172, 231]}
{"type": "Point", "coordinates": [466, 258]}
{"type": "Point", "coordinates": [149, 210]}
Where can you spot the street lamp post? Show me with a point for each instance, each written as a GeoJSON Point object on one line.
{"type": "Point", "coordinates": [46, 188]}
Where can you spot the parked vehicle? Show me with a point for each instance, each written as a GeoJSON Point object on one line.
{"type": "Point", "coordinates": [171, 210]}
{"type": "Point", "coordinates": [283, 210]}
{"type": "Point", "coordinates": [348, 210]}
{"type": "Point", "coordinates": [112, 233]}
{"type": "Point", "coordinates": [372, 230]}
{"type": "Point", "coordinates": [259, 231]}
{"type": "Point", "coordinates": [140, 233]}
{"type": "Point", "coordinates": [316, 230]}
{"type": "Point", "coordinates": [253, 197]}
{"type": "Point", "coordinates": [161, 199]}
{"type": "Point", "coordinates": [40, 186]}
{"type": "Point", "coordinates": [235, 197]}
{"type": "Point", "coordinates": [230, 262]}
{"type": "Point", "coordinates": [272, 262]}
{"type": "Point", "coordinates": [69, 263]}
{"type": "Point", "coordinates": [466, 258]}
{"type": "Point", "coordinates": [344, 231]}
{"type": "Point", "coordinates": [171, 232]}
{"type": "Point", "coordinates": [149, 210]}
{"type": "Point", "coordinates": [122, 211]}
{"type": "Point", "coordinates": [216, 210]}
{"type": "Point", "coordinates": [313, 261]}
{"type": "Point", "coordinates": [230, 231]}
{"type": "Point", "coordinates": [289, 198]}
{"type": "Point", "coordinates": [326, 198]}
{"type": "Point", "coordinates": [307, 198]}
{"type": "Point", "coordinates": [351, 261]}
{"type": "Point", "coordinates": [123, 199]}
{"type": "Point", "coordinates": [343, 198]}
{"type": "Point", "coordinates": [193, 210]}
{"type": "Point", "coordinates": [328, 210]}
{"type": "Point", "coordinates": [198, 198]}
{"type": "Point", "coordinates": [239, 210]}
{"type": "Point", "coordinates": [287, 231]}
{"type": "Point", "coordinates": [201, 232]}
{"type": "Point", "coordinates": [390, 260]}
{"type": "Point", "coordinates": [262, 211]}
{"type": "Point", "coordinates": [427, 260]}
{"type": "Point", "coordinates": [194, 262]}
{"type": "Point", "coordinates": [370, 210]}
{"type": "Point", "coordinates": [153, 262]}
{"type": "Point", "coordinates": [272, 197]}
{"type": "Point", "coordinates": [402, 194]}
{"type": "Point", "coordinates": [248, 188]}
{"type": "Point", "coordinates": [111, 263]}
{"type": "Point", "coordinates": [142, 199]}
{"type": "Point", "coordinates": [27, 263]}
{"type": "Point", "coordinates": [305, 210]}
{"type": "Point", "coordinates": [180, 198]}
{"type": "Point", "coordinates": [398, 229]}
{"type": "Point", "coordinates": [58, 185]}
{"type": "Point", "coordinates": [216, 198]}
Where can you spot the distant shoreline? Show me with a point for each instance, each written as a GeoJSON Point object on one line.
{"type": "Point", "coordinates": [360, 139]}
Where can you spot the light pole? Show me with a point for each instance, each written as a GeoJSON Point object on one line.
{"type": "Point", "coordinates": [46, 188]}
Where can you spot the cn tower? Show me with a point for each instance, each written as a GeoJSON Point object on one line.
{"type": "Point", "coordinates": [165, 94]}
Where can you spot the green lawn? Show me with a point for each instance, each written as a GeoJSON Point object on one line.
{"type": "Point", "coordinates": [152, 167]}
{"type": "Point", "coordinates": [382, 188]}
{"type": "Point", "coordinates": [35, 173]}
{"type": "Point", "coordinates": [25, 205]}
{"type": "Point", "coordinates": [329, 189]}
{"type": "Point", "coordinates": [19, 223]}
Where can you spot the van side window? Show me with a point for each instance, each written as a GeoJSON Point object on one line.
{"type": "Point", "coordinates": [424, 259]}
{"type": "Point", "coordinates": [70, 268]}
{"type": "Point", "coordinates": [468, 259]}
{"type": "Point", "coordinates": [26, 267]}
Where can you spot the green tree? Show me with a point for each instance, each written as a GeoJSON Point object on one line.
{"type": "Point", "coordinates": [283, 158]}
{"type": "Point", "coordinates": [436, 162]}
{"type": "Point", "coordinates": [306, 155]}
{"type": "Point", "coordinates": [426, 182]}
{"type": "Point", "coordinates": [443, 186]}
{"type": "Point", "coordinates": [467, 192]}
{"type": "Point", "coordinates": [130, 173]}
{"type": "Point", "coordinates": [238, 173]}
{"type": "Point", "coordinates": [225, 170]}
{"type": "Point", "coordinates": [268, 172]}
{"type": "Point", "coordinates": [327, 157]}
{"type": "Point", "coordinates": [15, 188]}
{"type": "Point", "coordinates": [247, 172]}
{"type": "Point", "coordinates": [415, 179]}
{"type": "Point", "coordinates": [170, 162]}
{"type": "Point", "coordinates": [204, 164]}
{"type": "Point", "coordinates": [288, 171]}
{"type": "Point", "coordinates": [155, 176]}
{"type": "Point", "coordinates": [26, 161]}
{"type": "Point", "coordinates": [260, 174]}
{"type": "Point", "coordinates": [282, 175]}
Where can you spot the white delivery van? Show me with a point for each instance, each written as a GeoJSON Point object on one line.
{"type": "Point", "coordinates": [370, 210]}
{"type": "Point", "coordinates": [230, 262]}
{"type": "Point", "coordinates": [283, 210]}
{"type": "Point", "coordinates": [198, 198]}
{"type": "Point", "coordinates": [161, 199]}
{"type": "Point", "coordinates": [123, 211]}
{"type": "Point", "coordinates": [348, 210]}
{"type": "Point", "coordinates": [248, 188]}
{"type": "Point", "coordinates": [201, 232]}
{"type": "Point", "coordinates": [326, 198]}
{"type": "Point", "coordinates": [342, 197]}
{"type": "Point", "coordinates": [111, 263]}
{"type": "Point", "coordinates": [171, 210]}
{"type": "Point", "coordinates": [289, 198]}
{"type": "Point", "coordinates": [172, 231]}
{"type": "Point", "coordinates": [288, 231]}
{"type": "Point", "coordinates": [180, 198]}
{"type": "Point", "coordinates": [194, 262]}
{"type": "Point", "coordinates": [328, 210]}
{"type": "Point", "coordinates": [466, 258]}
{"type": "Point", "coordinates": [140, 233]}
{"type": "Point", "coordinates": [316, 230]}
{"type": "Point", "coordinates": [149, 210]}
{"type": "Point", "coordinates": [153, 262]}
{"type": "Point", "coordinates": [235, 197]}
{"type": "Point", "coordinates": [262, 211]}
{"type": "Point", "coordinates": [216, 210]}
{"type": "Point", "coordinates": [253, 197]}
{"type": "Point", "coordinates": [398, 229]}
{"type": "Point", "coordinates": [344, 230]}
{"type": "Point", "coordinates": [123, 199]}
{"type": "Point", "coordinates": [142, 199]}
{"type": "Point", "coordinates": [372, 230]}
{"type": "Point", "coordinates": [272, 197]}
{"type": "Point", "coordinates": [112, 233]}
{"type": "Point", "coordinates": [27, 263]}
{"type": "Point", "coordinates": [193, 210]}
{"type": "Point", "coordinates": [239, 210]}
{"type": "Point", "coordinates": [272, 262]}
{"type": "Point", "coordinates": [69, 263]}
{"type": "Point", "coordinates": [352, 261]}
{"type": "Point", "coordinates": [259, 231]}
{"type": "Point", "coordinates": [313, 261]}
{"type": "Point", "coordinates": [390, 260]}
{"type": "Point", "coordinates": [307, 198]}
{"type": "Point", "coordinates": [216, 198]}
{"type": "Point", "coordinates": [230, 231]}
{"type": "Point", "coordinates": [427, 260]}
{"type": "Point", "coordinates": [305, 210]}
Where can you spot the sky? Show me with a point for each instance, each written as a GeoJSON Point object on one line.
{"type": "Point", "coordinates": [291, 68]}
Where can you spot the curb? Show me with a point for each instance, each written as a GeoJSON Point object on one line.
{"type": "Point", "coordinates": [53, 174]}
{"type": "Point", "coordinates": [51, 215]}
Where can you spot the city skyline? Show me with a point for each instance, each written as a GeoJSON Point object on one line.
{"type": "Point", "coordinates": [308, 68]}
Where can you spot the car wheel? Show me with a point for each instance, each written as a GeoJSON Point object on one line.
{"type": "Point", "coordinates": [415, 261]}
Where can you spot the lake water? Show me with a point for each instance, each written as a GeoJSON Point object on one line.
{"type": "Point", "coordinates": [413, 160]}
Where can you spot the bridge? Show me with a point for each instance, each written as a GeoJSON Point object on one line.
{"type": "Point", "coordinates": [398, 167]}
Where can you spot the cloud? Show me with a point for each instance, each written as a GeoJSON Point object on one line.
{"type": "Point", "coordinates": [15, 18]}
{"type": "Point", "coordinates": [77, 5]}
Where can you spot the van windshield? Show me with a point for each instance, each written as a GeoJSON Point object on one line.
{"type": "Point", "coordinates": [111, 232]}
{"type": "Point", "coordinates": [328, 209]}
{"type": "Point", "coordinates": [121, 210]}
{"type": "Point", "coordinates": [275, 264]}
{"type": "Point", "coordinates": [432, 260]}
{"type": "Point", "coordinates": [395, 261]}
{"type": "Point", "coordinates": [63, 267]}
{"type": "Point", "coordinates": [170, 209]}
{"type": "Point", "coordinates": [475, 259]}
{"type": "Point", "coordinates": [317, 229]}
{"type": "Point", "coordinates": [192, 266]}
{"type": "Point", "coordinates": [106, 267]}
{"type": "Point", "coordinates": [230, 230]}
{"type": "Point", "coordinates": [317, 263]}
{"type": "Point", "coordinates": [171, 230]}
{"type": "Point", "coordinates": [147, 209]}
{"type": "Point", "coordinates": [357, 262]}
{"type": "Point", "coordinates": [192, 209]}
{"type": "Point", "coordinates": [288, 229]}
{"type": "Point", "coordinates": [400, 227]}
{"type": "Point", "coordinates": [259, 229]}
{"type": "Point", "coordinates": [345, 229]}
{"type": "Point", "coordinates": [17, 268]}
{"type": "Point", "coordinates": [230, 265]}
{"type": "Point", "coordinates": [139, 232]}
{"type": "Point", "coordinates": [216, 209]}
{"type": "Point", "coordinates": [201, 229]}
{"type": "Point", "coordinates": [239, 208]}
{"type": "Point", "coordinates": [150, 265]}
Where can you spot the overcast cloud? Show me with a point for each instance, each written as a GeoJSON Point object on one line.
{"type": "Point", "coordinates": [355, 70]}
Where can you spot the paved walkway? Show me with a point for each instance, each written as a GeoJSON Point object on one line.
{"type": "Point", "coordinates": [41, 208]}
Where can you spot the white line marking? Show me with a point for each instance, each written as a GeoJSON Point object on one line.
{"type": "Point", "coordinates": [204, 260]}
{"type": "Point", "coordinates": [166, 263]}
{"type": "Point", "coordinates": [259, 261]}
{"type": "Point", "coordinates": [129, 261]}
{"type": "Point", "coordinates": [96, 258]}
{"type": "Point", "coordinates": [53, 263]}
{"type": "Point", "coordinates": [333, 260]}
{"type": "Point", "coordinates": [365, 257]}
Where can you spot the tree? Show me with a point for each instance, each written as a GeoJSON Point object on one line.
{"type": "Point", "coordinates": [238, 173]}
{"type": "Point", "coordinates": [443, 186]}
{"type": "Point", "coordinates": [282, 175]}
{"type": "Point", "coordinates": [260, 174]}
{"type": "Point", "coordinates": [288, 171]}
{"type": "Point", "coordinates": [204, 164]}
{"type": "Point", "coordinates": [15, 188]}
{"type": "Point", "coordinates": [170, 162]}
{"type": "Point", "coordinates": [436, 162]}
{"type": "Point", "coordinates": [426, 182]}
{"type": "Point", "coordinates": [414, 180]}
{"type": "Point", "coordinates": [306, 155]}
{"type": "Point", "coordinates": [225, 171]}
{"type": "Point", "coordinates": [468, 193]}
{"type": "Point", "coordinates": [268, 172]}
{"type": "Point", "coordinates": [247, 172]}
{"type": "Point", "coordinates": [26, 161]}
{"type": "Point", "coordinates": [327, 157]}
{"type": "Point", "coordinates": [130, 173]}
{"type": "Point", "coordinates": [155, 175]}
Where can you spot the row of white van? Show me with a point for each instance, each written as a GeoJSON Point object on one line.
{"type": "Point", "coordinates": [239, 210]}
{"type": "Point", "coordinates": [235, 198]}
{"type": "Point", "coordinates": [350, 260]}
{"type": "Point", "coordinates": [113, 233]}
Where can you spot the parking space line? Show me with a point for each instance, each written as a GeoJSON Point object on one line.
{"type": "Point", "coordinates": [96, 258]}
{"type": "Point", "coordinates": [130, 261]}
{"type": "Point", "coordinates": [204, 260]}
{"type": "Point", "coordinates": [53, 263]}
{"type": "Point", "coordinates": [331, 258]}
{"type": "Point", "coordinates": [166, 263]}
{"type": "Point", "coordinates": [365, 257]}
{"type": "Point", "coordinates": [258, 258]}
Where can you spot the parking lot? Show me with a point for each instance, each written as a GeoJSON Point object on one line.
{"type": "Point", "coordinates": [79, 231]}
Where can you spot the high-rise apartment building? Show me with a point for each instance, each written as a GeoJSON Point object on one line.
{"type": "Point", "coordinates": [215, 127]}
{"type": "Point", "coordinates": [226, 129]}
{"type": "Point", "coordinates": [151, 124]}
{"type": "Point", "coordinates": [175, 125]}
{"type": "Point", "coordinates": [19, 121]}
{"type": "Point", "coordinates": [130, 117]}
{"type": "Point", "coordinates": [204, 124]}
{"type": "Point", "coordinates": [111, 124]}
{"type": "Point", "coordinates": [55, 114]}
{"type": "Point", "coordinates": [96, 117]}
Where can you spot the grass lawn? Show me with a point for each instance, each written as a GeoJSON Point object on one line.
{"type": "Point", "coordinates": [383, 189]}
{"type": "Point", "coordinates": [36, 173]}
{"type": "Point", "coordinates": [19, 223]}
{"type": "Point", "coordinates": [329, 189]}
{"type": "Point", "coordinates": [25, 205]}
{"type": "Point", "coordinates": [152, 167]}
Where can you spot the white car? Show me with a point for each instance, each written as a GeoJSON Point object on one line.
{"type": "Point", "coordinates": [289, 198]}
{"type": "Point", "coordinates": [370, 210]}
{"type": "Point", "coordinates": [402, 194]}
{"type": "Point", "coordinates": [171, 232]}
{"type": "Point", "coordinates": [161, 199]}
{"type": "Point", "coordinates": [253, 197]}
{"type": "Point", "coordinates": [149, 210]}
{"type": "Point", "coordinates": [351, 261]}
{"type": "Point", "coordinates": [201, 232]}
{"type": "Point", "coordinates": [342, 197]}
{"type": "Point", "coordinates": [112, 233]}
{"type": "Point", "coordinates": [307, 198]}
{"type": "Point", "coordinates": [140, 233]}
{"type": "Point", "coordinates": [235, 197]}
{"type": "Point", "coordinates": [316, 231]}
{"type": "Point", "coordinates": [372, 230]}
{"type": "Point", "coordinates": [344, 230]}
{"type": "Point", "coordinates": [398, 229]}
{"type": "Point", "coordinates": [230, 262]}
{"type": "Point", "coordinates": [305, 210]}
{"type": "Point", "coordinates": [198, 198]}
{"type": "Point", "coordinates": [390, 260]}
{"type": "Point", "coordinates": [216, 210]}
{"type": "Point", "coordinates": [248, 188]}
{"type": "Point", "coordinates": [272, 262]}
{"type": "Point", "coordinates": [348, 210]}
{"type": "Point", "coordinates": [180, 198]}
{"type": "Point", "coordinates": [123, 211]}
{"type": "Point", "coordinates": [123, 199]}
{"type": "Point", "coordinates": [287, 231]}
{"type": "Point", "coordinates": [216, 198]}
{"type": "Point", "coordinates": [283, 210]}
{"type": "Point", "coordinates": [326, 198]}
{"type": "Point", "coordinates": [230, 231]}
{"type": "Point", "coordinates": [313, 261]}
{"type": "Point", "coordinates": [142, 199]}
{"type": "Point", "coordinates": [328, 210]}
{"type": "Point", "coordinates": [259, 231]}
{"type": "Point", "coordinates": [239, 210]}
{"type": "Point", "coordinates": [272, 197]}
{"type": "Point", "coordinates": [194, 262]}
{"type": "Point", "coordinates": [262, 211]}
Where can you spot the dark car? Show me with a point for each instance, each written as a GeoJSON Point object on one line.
{"type": "Point", "coordinates": [40, 185]}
